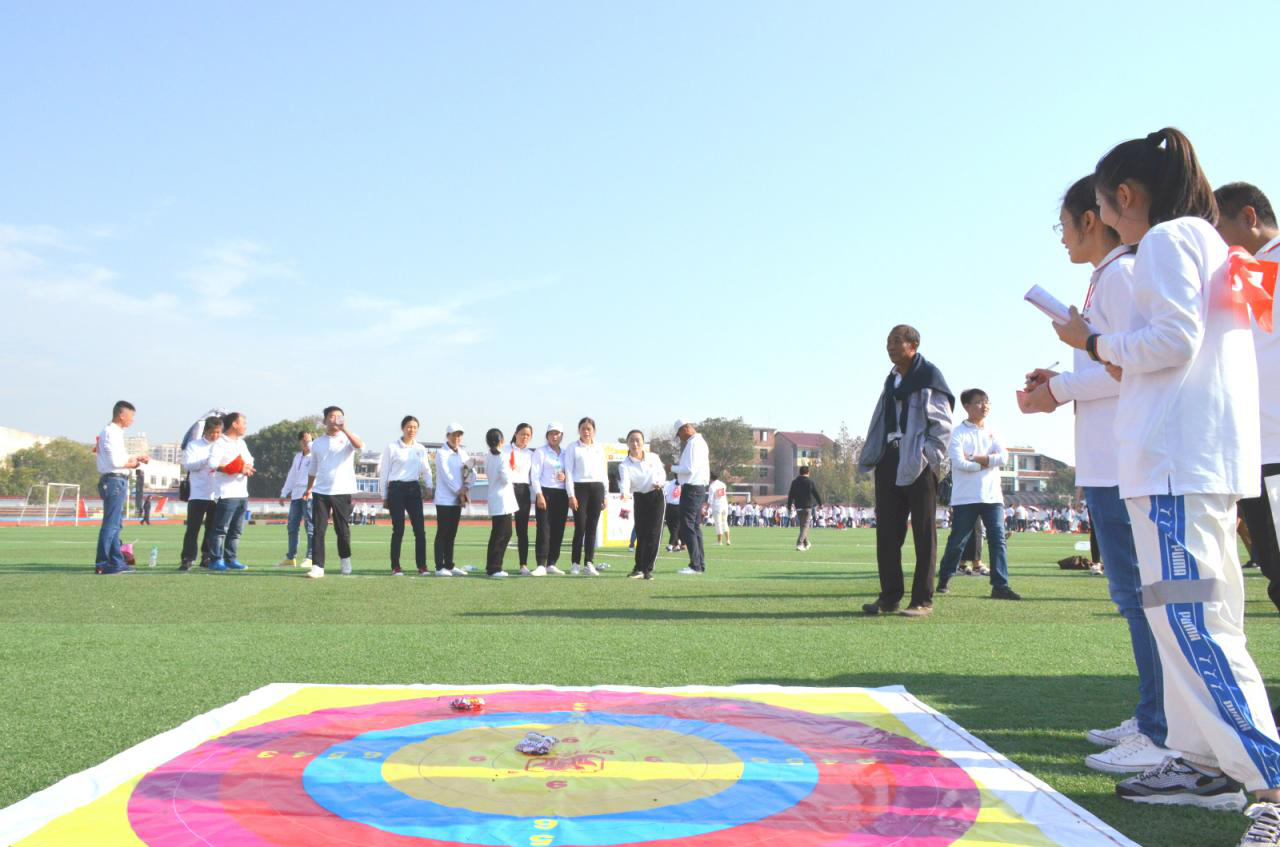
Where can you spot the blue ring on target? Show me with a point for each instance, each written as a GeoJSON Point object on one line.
{"type": "Point", "coordinates": [765, 788]}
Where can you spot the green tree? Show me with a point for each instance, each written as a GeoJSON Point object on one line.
{"type": "Point", "coordinates": [730, 445]}
{"type": "Point", "coordinates": [664, 444]}
{"type": "Point", "coordinates": [836, 473]}
{"type": "Point", "coordinates": [273, 448]}
{"type": "Point", "coordinates": [1063, 482]}
{"type": "Point", "coordinates": [60, 460]}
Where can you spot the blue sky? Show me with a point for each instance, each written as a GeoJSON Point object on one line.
{"type": "Point", "coordinates": [523, 211]}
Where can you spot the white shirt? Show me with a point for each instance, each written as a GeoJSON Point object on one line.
{"type": "Point", "coordinates": [225, 450]}
{"type": "Point", "coordinates": [584, 463]}
{"type": "Point", "coordinates": [640, 476]}
{"type": "Point", "coordinates": [112, 457]}
{"type": "Point", "coordinates": [1096, 394]}
{"type": "Point", "coordinates": [717, 496]}
{"type": "Point", "coordinates": [295, 484]}
{"type": "Point", "coordinates": [671, 492]}
{"type": "Point", "coordinates": [403, 463]}
{"type": "Point", "coordinates": [522, 471]}
{"type": "Point", "coordinates": [1187, 420]}
{"type": "Point", "coordinates": [450, 467]}
{"type": "Point", "coordinates": [970, 481]}
{"type": "Point", "coordinates": [544, 466]}
{"type": "Point", "coordinates": [896, 434]}
{"type": "Point", "coordinates": [195, 459]}
{"type": "Point", "coordinates": [331, 465]}
{"type": "Point", "coordinates": [502, 491]}
{"type": "Point", "coordinates": [1267, 345]}
{"type": "Point", "coordinates": [694, 467]}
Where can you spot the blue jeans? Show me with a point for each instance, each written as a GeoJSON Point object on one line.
{"type": "Point", "coordinates": [114, 491]}
{"type": "Point", "coordinates": [963, 519]}
{"type": "Point", "coordinates": [299, 512]}
{"type": "Point", "coordinates": [228, 521]}
{"type": "Point", "coordinates": [1111, 528]}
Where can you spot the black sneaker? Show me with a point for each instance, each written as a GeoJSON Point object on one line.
{"type": "Point", "coordinates": [1005, 593]}
{"type": "Point", "coordinates": [1265, 829]}
{"type": "Point", "coordinates": [1175, 782]}
{"type": "Point", "coordinates": [185, 566]}
{"type": "Point", "coordinates": [942, 587]}
{"type": "Point", "coordinates": [877, 609]}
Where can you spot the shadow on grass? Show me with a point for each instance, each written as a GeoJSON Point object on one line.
{"type": "Point", "coordinates": [663, 615]}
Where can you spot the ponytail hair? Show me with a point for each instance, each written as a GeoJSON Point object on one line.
{"type": "Point", "coordinates": [493, 438]}
{"type": "Point", "coordinates": [1165, 164]}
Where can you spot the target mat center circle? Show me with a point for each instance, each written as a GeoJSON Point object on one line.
{"type": "Point", "coordinates": [594, 769]}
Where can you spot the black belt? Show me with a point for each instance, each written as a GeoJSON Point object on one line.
{"type": "Point", "coordinates": [120, 475]}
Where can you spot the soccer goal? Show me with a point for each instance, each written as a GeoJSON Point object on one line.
{"type": "Point", "coordinates": [58, 500]}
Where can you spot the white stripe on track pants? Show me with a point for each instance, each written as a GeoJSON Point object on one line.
{"type": "Point", "coordinates": [1193, 594]}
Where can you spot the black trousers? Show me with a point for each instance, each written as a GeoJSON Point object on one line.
{"type": "Point", "coordinates": [322, 507]}
{"type": "Point", "coordinates": [521, 521]}
{"type": "Point", "coordinates": [895, 505]}
{"type": "Point", "coordinates": [586, 518]}
{"type": "Point", "coordinates": [447, 518]}
{"type": "Point", "coordinates": [649, 509]}
{"type": "Point", "coordinates": [198, 512]}
{"type": "Point", "coordinates": [672, 516]}
{"type": "Point", "coordinates": [1261, 520]}
{"type": "Point", "coordinates": [499, 538]}
{"type": "Point", "coordinates": [691, 499]}
{"type": "Point", "coordinates": [551, 521]}
{"type": "Point", "coordinates": [407, 497]}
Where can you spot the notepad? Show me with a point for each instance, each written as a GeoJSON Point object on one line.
{"type": "Point", "coordinates": [1047, 303]}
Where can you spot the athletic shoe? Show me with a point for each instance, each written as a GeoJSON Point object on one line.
{"type": "Point", "coordinates": [1135, 754]}
{"type": "Point", "coordinates": [185, 566]}
{"type": "Point", "coordinates": [728, 544]}
{"type": "Point", "coordinates": [498, 575]}
{"type": "Point", "coordinates": [444, 572]}
{"type": "Point", "coordinates": [688, 572]}
{"type": "Point", "coordinates": [800, 547]}
{"type": "Point", "coordinates": [635, 575]}
{"type": "Point", "coordinates": [575, 570]}
{"type": "Point", "coordinates": [316, 572]}
{"type": "Point", "coordinates": [1174, 782]}
{"type": "Point", "coordinates": [1250, 564]}
{"type": "Point", "coordinates": [524, 571]}
{"type": "Point", "coordinates": [346, 567]}
{"type": "Point", "coordinates": [237, 565]}
{"type": "Point", "coordinates": [649, 575]}
{"type": "Point", "coordinates": [631, 549]}
{"type": "Point", "coordinates": [1265, 829]}
{"type": "Point", "coordinates": [217, 565]}
{"type": "Point", "coordinates": [1004, 592]}
{"type": "Point", "coordinates": [305, 563]}
{"type": "Point", "coordinates": [671, 548]}
{"type": "Point", "coordinates": [286, 562]}
{"type": "Point", "coordinates": [1113, 736]}
{"type": "Point", "coordinates": [942, 587]}
{"type": "Point", "coordinates": [554, 571]}
{"type": "Point", "coordinates": [983, 570]}
{"type": "Point", "coordinates": [592, 570]}
{"type": "Point", "coordinates": [423, 572]}
{"type": "Point", "coordinates": [396, 571]}
{"type": "Point", "coordinates": [538, 571]}
{"type": "Point", "coordinates": [876, 609]}
{"type": "Point", "coordinates": [457, 571]}
{"type": "Point", "coordinates": [964, 569]}
{"type": "Point", "coordinates": [917, 611]}
{"type": "Point", "coordinates": [603, 566]}
{"type": "Point", "coordinates": [119, 571]}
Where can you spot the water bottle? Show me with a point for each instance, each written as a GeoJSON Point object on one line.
{"type": "Point", "coordinates": [155, 555]}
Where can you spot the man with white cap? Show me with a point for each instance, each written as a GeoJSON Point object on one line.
{"type": "Point", "coordinates": [551, 501]}
{"type": "Point", "coordinates": [451, 495]}
{"type": "Point", "coordinates": [694, 473]}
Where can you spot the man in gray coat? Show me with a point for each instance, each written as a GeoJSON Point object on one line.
{"type": "Point", "coordinates": [905, 448]}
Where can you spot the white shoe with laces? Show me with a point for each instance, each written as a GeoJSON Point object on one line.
{"type": "Point", "coordinates": [538, 571]}
{"type": "Point", "coordinates": [591, 570]}
{"type": "Point", "coordinates": [498, 575]}
{"type": "Point", "coordinates": [1113, 736]}
{"type": "Point", "coordinates": [346, 567]}
{"type": "Point", "coordinates": [1135, 754]}
{"type": "Point", "coordinates": [575, 570]}
{"type": "Point", "coordinates": [554, 571]}
{"type": "Point", "coordinates": [444, 572]}
{"type": "Point", "coordinates": [459, 572]}
{"type": "Point", "coordinates": [688, 572]}
{"type": "Point", "coordinates": [524, 571]}
{"type": "Point", "coordinates": [316, 572]}
{"type": "Point", "coordinates": [1265, 829]}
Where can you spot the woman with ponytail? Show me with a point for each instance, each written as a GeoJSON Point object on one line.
{"type": "Point", "coordinates": [1188, 449]}
{"type": "Point", "coordinates": [502, 502]}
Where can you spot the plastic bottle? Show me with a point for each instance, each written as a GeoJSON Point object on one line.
{"type": "Point", "coordinates": [155, 556]}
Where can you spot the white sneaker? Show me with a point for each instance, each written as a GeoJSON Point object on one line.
{"type": "Point", "coordinates": [316, 572]}
{"type": "Point", "coordinates": [1112, 737]}
{"type": "Point", "coordinates": [1135, 754]}
{"type": "Point", "coordinates": [575, 570]}
{"type": "Point", "coordinates": [286, 562]}
{"type": "Point", "coordinates": [444, 572]}
{"type": "Point", "coordinates": [671, 548]}
{"type": "Point", "coordinates": [687, 572]}
{"type": "Point", "coordinates": [498, 575]}
{"type": "Point", "coordinates": [591, 570]}
{"type": "Point", "coordinates": [346, 567]}
{"type": "Point", "coordinates": [538, 571]}
{"type": "Point", "coordinates": [524, 571]}
{"type": "Point", "coordinates": [457, 571]}
{"type": "Point", "coordinates": [554, 571]}
{"type": "Point", "coordinates": [1265, 829]}
{"type": "Point", "coordinates": [800, 547]}
{"type": "Point", "coordinates": [306, 563]}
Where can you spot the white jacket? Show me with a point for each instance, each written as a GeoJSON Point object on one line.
{"type": "Point", "coordinates": [970, 481]}
{"type": "Point", "coordinates": [502, 491]}
{"type": "Point", "coordinates": [450, 473]}
{"type": "Point", "coordinates": [1268, 349]}
{"type": "Point", "coordinates": [1187, 420]}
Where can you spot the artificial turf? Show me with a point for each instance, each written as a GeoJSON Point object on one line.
{"type": "Point", "coordinates": [92, 665]}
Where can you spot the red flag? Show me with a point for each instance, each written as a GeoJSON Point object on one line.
{"type": "Point", "coordinates": [1253, 284]}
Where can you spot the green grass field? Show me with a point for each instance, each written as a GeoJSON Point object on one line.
{"type": "Point", "coordinates": [93, 665]}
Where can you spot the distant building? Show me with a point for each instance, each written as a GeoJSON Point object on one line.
{"type": "Point", "coordinates": [757, 481]}
{"type": "Point", "coordinates": [137, 445]}
{"type": "Point", "coordinates": [1028, 471]}
{"type": "Point", "coordinates": [792, 451]}
{"type": "Point", "coordinates": [158, 475]}
{"type": "Point", "coordinates": [170, 452]}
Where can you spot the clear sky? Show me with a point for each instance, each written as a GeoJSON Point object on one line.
{"type": "Point", "coordinates": [494, 212]}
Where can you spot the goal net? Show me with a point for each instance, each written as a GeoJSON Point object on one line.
{"type": "Point", "coordinates": [51, 502]}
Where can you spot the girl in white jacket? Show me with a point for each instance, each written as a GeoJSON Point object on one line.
{"type": "Point", "coordinates": [1188, 450]}
{"type": "Point", "coordinates": [502, 501]}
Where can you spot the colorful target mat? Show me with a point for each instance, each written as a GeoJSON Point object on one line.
{"type": "Point", "coordinates": [392, 766]}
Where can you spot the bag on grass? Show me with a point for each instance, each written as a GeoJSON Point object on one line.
{"type": "Point", "coordinates": [1074, 563]}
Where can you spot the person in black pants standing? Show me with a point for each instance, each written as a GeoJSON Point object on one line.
{"type": "Point", "coordinates": [452, 476]}
{"type": "Point", "coordinates": [520, 465]}
{"type": "Point", "coordinates": [546, 483]}
{"type": "Point", "coordinates": [330, 483]}
{"type": "Point", "coordinates": [908, 440]}
{"type": "Point", "coordinates": [200, 505]}
{"type": "Point", "coordinates": [803, 495]}
{"type": "Point", "coordinates": [404, 469]}
{"type": "Point", "coordinates": [641, 477]}
{"type": "Point", "coordinates": [694, 473]}
{"type": "Point", "coordinates": [586, 475]}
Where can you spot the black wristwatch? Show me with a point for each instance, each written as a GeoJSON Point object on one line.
{"type": "Point", "coordinates": [1091, 347]}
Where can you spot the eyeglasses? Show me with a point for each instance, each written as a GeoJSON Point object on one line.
{"type": "Point", "coordinates": [1057, 228]}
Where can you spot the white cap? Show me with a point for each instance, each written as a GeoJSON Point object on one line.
{"type": "Point", "coordinates": [680, 422]}
{"type": "Point", "coordinates": [452, 428]}
{"type": "Point", "coordinates": [555, 426]}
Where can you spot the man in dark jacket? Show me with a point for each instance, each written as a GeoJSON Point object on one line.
{"type": "Point", "coordinates": [803, 496]}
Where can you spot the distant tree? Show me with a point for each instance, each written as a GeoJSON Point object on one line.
{"type": "Point", "coordinates": [1062, 485]}
{"type": "Point", "coordinates": [273, 448]}
{"type": "Point", "coordinates": [60, 460]}
{"type": "Point", "coordinates": [730, 444]}
{"type": "Point", "coordinates": [664, 444]}
{"type": "Point", "coordinates": [836, 472]}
